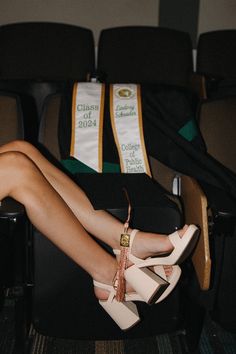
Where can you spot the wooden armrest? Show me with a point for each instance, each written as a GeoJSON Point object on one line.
{"type": "Point", "coordinates": [198, 84]}
{"type": "Point", "coordinates": [195, 206]}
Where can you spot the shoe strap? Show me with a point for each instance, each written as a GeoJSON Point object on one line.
{"type": "Point", "coordinates": [126, 241]}
{"type": "Point", "coordinates": [131, 239]}
{"type": "Point", "coordinates": [132, 236]}
{"type": "Point", "coordinates": [102, 285]}
{"type": "Point", "coordinates": [107, 287]}
{"type": "Point", "coordinates": [131, 257]}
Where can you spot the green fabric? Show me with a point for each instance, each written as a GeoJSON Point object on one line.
{"type": "Point", "coordinates": [110, 167]}
{"type": "Point", "coordinates": [189, 130]}
{"type": "Point", "coordinates": [75, 166]}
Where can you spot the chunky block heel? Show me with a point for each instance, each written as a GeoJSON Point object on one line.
{"type": "Point", "coordinates": [146, 283]}
{"type": "Point", "coordinates": [150, 285]}
{"type": "Point", "coordinates": [172, 279]}
{"type": "Point", "coordinates": [124, 314]}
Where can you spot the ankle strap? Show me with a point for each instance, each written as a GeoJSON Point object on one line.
{"type": "Point", "coordinates": [132, 236]}
{"type": "Point", "coordinates": [131, 239]}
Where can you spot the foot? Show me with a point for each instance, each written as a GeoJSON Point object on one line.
{"type": "Point", "coordinates": [144, 245]}
{"type": "Point", "coordinates": [149, 244]}
{"type": "Point", "coordinates": [108, 279]}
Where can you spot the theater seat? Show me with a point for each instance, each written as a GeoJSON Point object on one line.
{"type": "Point", "coordinates": [38, 58]}
{"type": "Point", "coordinates": [217, 123]}
{"type": "Point", "coordinates": [216, 55]}
{"type": "Point", "coordinates": [14, 229]}
{"type": "Point", "coordinates": [62, 285]}
{"type": "Point", "coordinates": [143, 54]}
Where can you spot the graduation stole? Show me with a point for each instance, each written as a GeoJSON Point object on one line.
{"type": "Point", "coordinates": [127, 126]}
{"type": "Point", "coordinates": [126, 120]}
{"type": "Point", "coordinates": [87, 124]}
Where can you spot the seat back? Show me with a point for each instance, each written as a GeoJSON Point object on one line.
{"type": "Point", "coordinates": [143, 54]}
{"type": "Point", "coordinates": [150, 55]}
{"type": "Point", "coordinates": [45, 51]}
{"type": "Point", "coordinates": [48, 130]}
{"type": "Point", "coordinates": [216, 54]}
{"type": "Point", "coordinates": [11, 119]}
{"type": "Point", "coordinates": [37, 58]}
{"type": "Point", "coordinates": [217, 119]}
{"type": "Point", "coordinates": [12, 219]}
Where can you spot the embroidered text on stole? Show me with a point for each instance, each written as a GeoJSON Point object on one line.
{"type": "Point", "coordinates": [126, 119]}
{"type": "Point", "coordinates": [87, 124]}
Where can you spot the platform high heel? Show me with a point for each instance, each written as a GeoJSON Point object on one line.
{"type": "Point", "coordinates": [183, 246]}
{"type": "Point", "coordinates": [125, 313]}
{"type": "Point", "coordinates": [148, 284]}
{"type": "Point", "coordinates": [172, 279]}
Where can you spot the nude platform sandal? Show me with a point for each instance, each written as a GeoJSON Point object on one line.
{"type": "Point", "coordinates": [172, 279]}
{"type": "Point", "coordinates": [149, 285]}
{"type": "Point", "coordinates": [183, 246]}
{"type": "Point", "coordinates": [125, 313]}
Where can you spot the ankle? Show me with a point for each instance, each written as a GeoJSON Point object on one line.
{"type": "Point", "coordinates": [105, 276]}
{"type": "Point", "coordinates": [148, 244]}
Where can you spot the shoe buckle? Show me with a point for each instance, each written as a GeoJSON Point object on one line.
{"type": "Point", "coordinates": [124, 240]}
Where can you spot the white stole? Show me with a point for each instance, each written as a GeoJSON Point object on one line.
{"type": "Point", "coordinates": [127, 125]}
{"type": "Point", "coordinates": [87, 124]}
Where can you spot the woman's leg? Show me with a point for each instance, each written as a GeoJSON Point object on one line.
{"type": "Point", "coordinates": [92, 220]}
{"type": "Point", "coordinates": [97, 222]}
{"type": "Point", "coordinates": [22, 180]}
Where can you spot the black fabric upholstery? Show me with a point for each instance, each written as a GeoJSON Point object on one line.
{"type": "Point", "coordinates": [45, 51]}
{"type": "Point", "coordinates": [216, 54]}
{"type": "Point", "coordinates": [144, 54]}
{"type": "Point", "coordinates": [217, 120]}
{"type": "Point", "coordinates": [37, 58]}
{"type": "Point", "coordinates": [11, 118]}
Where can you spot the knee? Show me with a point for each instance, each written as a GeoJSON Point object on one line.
{"type": "Point", "coordinates": [17, 173]}
{"type": "Point", "coordinates": [19, 146]}
{"type": "Point", "coordinates": [15, 162]}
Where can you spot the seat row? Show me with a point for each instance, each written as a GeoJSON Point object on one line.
{"type": "Point", "coordinates": [45, 273]}
{"type": "Point", "coordinates": [42, 51]}
{"type": "Point", "coordinates": [33, 105]}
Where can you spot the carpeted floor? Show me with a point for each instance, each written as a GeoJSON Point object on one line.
{"type": "Point", "coordinates": [214, 340]}
{"type": "Point", "coordinates": [162, 344]}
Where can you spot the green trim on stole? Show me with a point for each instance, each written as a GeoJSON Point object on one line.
{"type": "Point", "coordinates": [75, 166]}
{"type": "Point", "coordinates": [189, 130]}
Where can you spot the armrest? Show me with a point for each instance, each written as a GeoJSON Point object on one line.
{"type": "Point", "coordinates": [195, 208]}
{"type": "Point", "coordinates": [10, 208]}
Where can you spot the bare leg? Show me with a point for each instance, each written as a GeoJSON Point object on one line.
{"type": "Point", "coordinates": [97, 222]}
{"type": "Point", "coordinates": [22, 180]}
{"type": "Point", "coordinates": [92, 220]}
